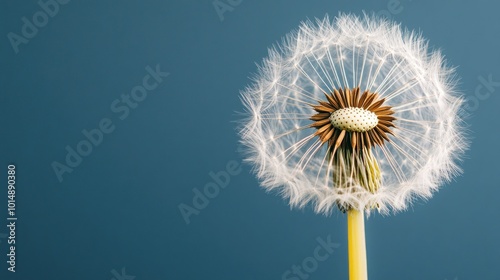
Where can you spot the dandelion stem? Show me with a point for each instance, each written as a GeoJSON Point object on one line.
{"type": "Point", "coordinates": [356, 245]}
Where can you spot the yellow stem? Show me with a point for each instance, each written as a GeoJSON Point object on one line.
{"type": "Point", "coordinates": [356, 245]}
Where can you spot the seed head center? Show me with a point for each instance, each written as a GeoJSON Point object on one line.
{"type": "Point", "coordinates": [354, 119]}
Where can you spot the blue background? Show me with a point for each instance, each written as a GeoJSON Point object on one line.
{"type": "Point", "coordinates": [119, 208]}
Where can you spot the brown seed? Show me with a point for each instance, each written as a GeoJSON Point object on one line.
{"type": "Point", "coordinates": [345, 137]}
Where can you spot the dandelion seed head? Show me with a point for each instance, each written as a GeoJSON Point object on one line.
{"type": "Point", "coordinates": [402, 136]}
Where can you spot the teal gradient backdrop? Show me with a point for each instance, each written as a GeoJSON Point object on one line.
{"type": "Point", "coordinates": [155, 85]}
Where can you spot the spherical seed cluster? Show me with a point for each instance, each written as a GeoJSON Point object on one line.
{"type": "Point", "coordinates": [354, 119]}
{"type": "Point", "coordinates": [298, 153]}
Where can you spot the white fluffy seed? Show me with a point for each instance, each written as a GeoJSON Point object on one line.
{"type": "Point", "coordinates": [354, 119]}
